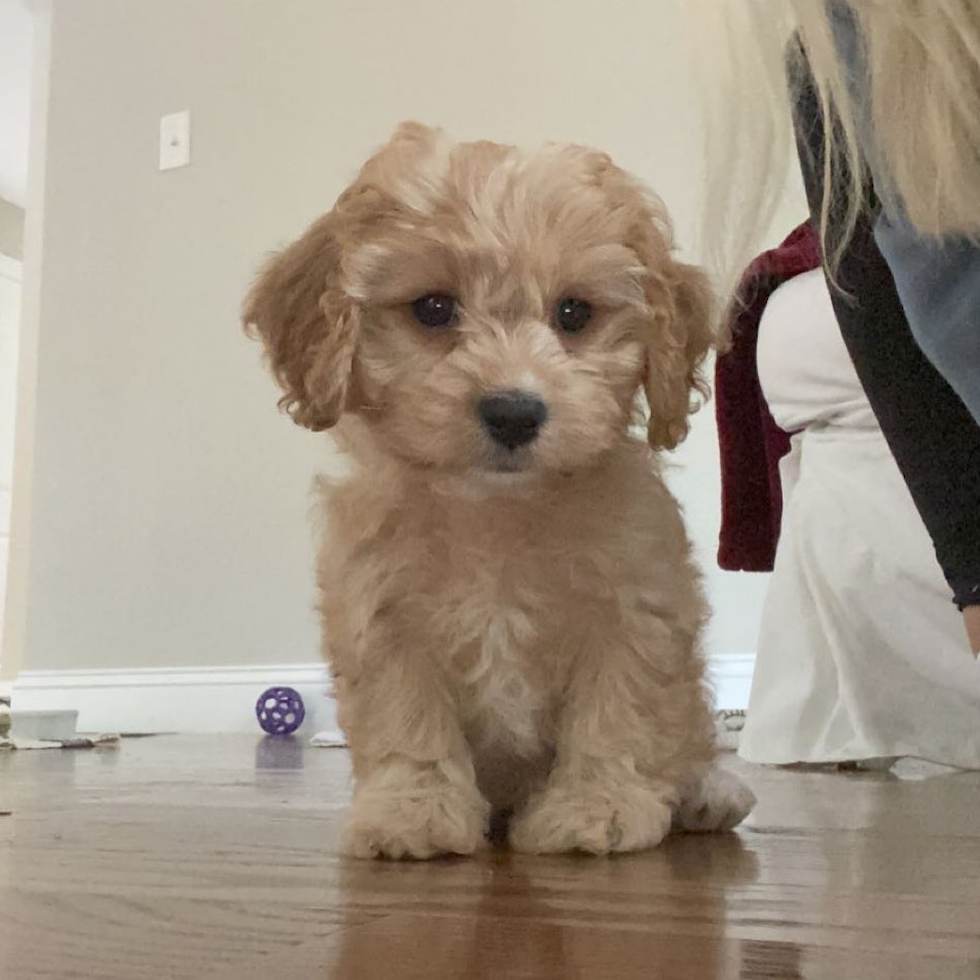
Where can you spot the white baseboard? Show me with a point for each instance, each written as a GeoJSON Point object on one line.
{"type": "Point", "coordinates": [191, 699]}
{"type": "Point", "coordinates": [222, 699]}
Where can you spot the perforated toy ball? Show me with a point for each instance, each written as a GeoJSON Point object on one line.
{"type": "Point", "coordinates": [280, 710]}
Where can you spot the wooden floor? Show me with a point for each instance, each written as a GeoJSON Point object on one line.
{"type": "Point", "coordinates": [215, 859]}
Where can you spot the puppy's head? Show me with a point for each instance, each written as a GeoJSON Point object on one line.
{"type": "Point", "coordinates": [486, 310]}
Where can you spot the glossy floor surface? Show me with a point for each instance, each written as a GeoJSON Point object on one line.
{"type": "Point", "coordinates": [215, 858]}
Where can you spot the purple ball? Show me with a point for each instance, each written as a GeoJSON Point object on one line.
{"type": "Point", "coordinates": [280, 710]}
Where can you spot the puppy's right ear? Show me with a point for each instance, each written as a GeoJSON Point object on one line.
{"type": "Point", "coordinates": [308, 326]}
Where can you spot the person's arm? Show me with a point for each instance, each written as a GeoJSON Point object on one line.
{"type": "Point", "coordinates": [937, 281]}
{"type": "Point", "coordinates": [971, 616]}
{"type": "Point", "coordinates": [932, 435]}
{"type": "Point", "coordinates": [939, 285]}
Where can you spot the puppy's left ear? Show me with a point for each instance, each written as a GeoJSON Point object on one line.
{"type": "Point", "coordinates": [676, 349]}
{"type": "Point", "coordinates": [307, 324]}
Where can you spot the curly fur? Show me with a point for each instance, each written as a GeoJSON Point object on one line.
{"type": "Point", "coordinates": [509, 630]}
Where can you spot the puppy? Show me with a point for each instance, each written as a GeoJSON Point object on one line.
{"type": "Point", "coordinates": [509, 605]}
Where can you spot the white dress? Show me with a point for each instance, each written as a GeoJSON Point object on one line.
{"type": "Point", "coordinates": [862, 654]}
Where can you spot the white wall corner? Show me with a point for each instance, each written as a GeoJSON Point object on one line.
{"type": "Point", "coordinates": [730, 677]}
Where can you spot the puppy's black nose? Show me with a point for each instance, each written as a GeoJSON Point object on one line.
{"type": "Point", "coordinates": [512, 418]}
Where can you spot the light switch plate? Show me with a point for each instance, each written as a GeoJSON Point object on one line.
{"type": "Point", "coordinates": [175, 140]}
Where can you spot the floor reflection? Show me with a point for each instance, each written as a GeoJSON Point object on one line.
{"type": "Point", "coordinates": [280, 752]}
{"type": "Point", "coordinates": [504, 915]}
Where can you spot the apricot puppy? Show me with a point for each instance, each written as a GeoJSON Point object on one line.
{"type": "Point", "coordinates": [509, 605]}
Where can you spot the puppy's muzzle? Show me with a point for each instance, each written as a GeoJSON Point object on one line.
{"type": "Point", "coordinates": [512, 418]}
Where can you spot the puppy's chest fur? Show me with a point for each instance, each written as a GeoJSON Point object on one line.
{"type": "Point", "coordinates": [504, 594]}
{"type": "Point", "coordinates": [501, 593]}
{"type": "Point", "coordinates": [502, 601]}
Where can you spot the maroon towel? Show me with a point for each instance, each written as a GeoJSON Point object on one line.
{"type": "Point", "coordinates": [750, 442]}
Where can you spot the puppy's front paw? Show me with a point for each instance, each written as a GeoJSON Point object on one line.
{"type": "Point", "coordinates": [414, 824]}
{"type": "Point", "coordinates": [592, 820]}
{"type": "Point", "coordinates": [719, 802]}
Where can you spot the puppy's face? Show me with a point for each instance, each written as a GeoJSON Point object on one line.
{"type": "Point", "coordinates": [485, 310]}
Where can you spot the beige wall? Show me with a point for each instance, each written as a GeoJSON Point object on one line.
{"type": "Point", "coordinates": [168, 509]}
{"type": "Point", "coordinates": [11, 229]}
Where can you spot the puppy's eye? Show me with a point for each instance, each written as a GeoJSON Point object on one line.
{"type": "Point", "coordinates": [435, 310]}
{"type": "Point", "coordinates": [571, 314]}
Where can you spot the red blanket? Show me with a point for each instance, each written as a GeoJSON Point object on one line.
{"type": "Point", "coordinates": [750, 442]}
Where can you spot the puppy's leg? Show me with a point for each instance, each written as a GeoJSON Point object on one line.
{"type": "Point", "coordinates": [415, 793]}
{"type": "Point", "coordinates": [635, 728]}
{"type": "Point", "coordinates": [718, 801]}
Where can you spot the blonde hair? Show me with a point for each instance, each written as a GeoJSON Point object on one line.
{"type": "Point", "coordinates": [922, 100]}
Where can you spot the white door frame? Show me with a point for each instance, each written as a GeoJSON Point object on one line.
{"type": "Point", "coordinates": [12, 270]}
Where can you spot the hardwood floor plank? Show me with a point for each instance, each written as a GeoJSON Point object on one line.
{"type": "Point", "coordinates": [186, 857]}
